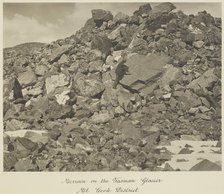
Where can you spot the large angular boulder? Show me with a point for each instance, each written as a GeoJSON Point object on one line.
{"type": "Point", "coordinates": [86, 86]}
{"type": "Point", "coordinates": [203, 82]}
{"type": "Point", "coordinates": [143, 9]}
{"type": "Point", "coordinates": [27, 78]}
{"type": "Point", "coordinates": [206, 165]}
{"type": "Point", "coordinates": [102, 43]}
{"type": "Point", "coordinates": [163, 8]}
{"type": "Point", "coordinates": [143, 69]}
{"type": "Point", "coordinates": [100, 15]}
{"type": "Point", "coordinates": [55, 81]}
{"type": "Point", "coordinates": [121, 18]}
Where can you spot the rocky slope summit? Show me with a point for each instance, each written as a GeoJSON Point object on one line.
{"type": "Point", "coordinates": [61, 112]}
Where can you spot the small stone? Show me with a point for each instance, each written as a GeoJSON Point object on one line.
{"type": "Point", "coordinates": [193, 110]}
{"type": "Point", "coordinates": [198, 44]}
{"type": "Point", "coordinates": [185, 151]}
{"type": "Point", "coordinates": [54, 133]}
{"type": "Point", "coordinates": [167, 96]}
{"type": "Point", "coordinates": [81, 147]}
{"type": "Point", "coordinates": [119, 111]}
{"type": "Point", "coordinates": [100, 118]}
{"type": "Point", "coordinates": [41, 70]}
{"type": "Point", "coordinates": [136, 122]}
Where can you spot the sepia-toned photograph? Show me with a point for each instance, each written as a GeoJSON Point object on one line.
{"type": "Point", "coordinates": [117, 86]}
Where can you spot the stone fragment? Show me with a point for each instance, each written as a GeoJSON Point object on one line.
{"type": "Point", "coordinates": [25, 165]}
{"type": "Point", "coordinates": [171, 73]}
{"type": "Point", "coordinates": [99, 118]}
{"type": "Point", "coordinates": [15, 125]}
{"type": "Point", "coordinates": [121, 18]}
{"type": "Point", "coordinates": [102, 43]}
{"type": "Point", "coordinates": [206, 165]}
{"type": "Point", "coordinates": [163, 8]}
{"type": "Point", "coordinates": [100, 15]}
{"type": "Point", "coordinates": [58, 52]}
{"type": "Point", "coordinates": [151, 65]}
{"type": "Point", "coordinates": [203, 82]}
{"type": "Point", "coordinates": [41, 70]}
{"type": "Point", "coordinates": [87, 86]}
{"type": "Point", "coordinates": [9, 161]}
{"type": "Point", "coordinates": [51, 83]}
{"type": "Point", "coordinates": [198, 44]}
{"type": "Point", "coordinates": [27, 78]}
{"type": "Point", "coordinates": [185, 151]}
{"type": "Point", "coordinates": [143, 9]}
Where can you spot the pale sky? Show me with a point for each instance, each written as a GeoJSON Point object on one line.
{"type": "Point", "coordinates": [46, 22]}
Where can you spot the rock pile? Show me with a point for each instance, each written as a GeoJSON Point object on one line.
{"type": "Point", "coordinates": [61, 112]}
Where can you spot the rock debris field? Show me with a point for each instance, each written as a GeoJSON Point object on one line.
{"type": "Point", "coordinates": [64, 112]}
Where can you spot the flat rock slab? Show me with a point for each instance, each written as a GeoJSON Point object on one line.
{"type": "Point", "coordinates": [143, 68]}
{"type": "Point", "coordinates": [22, 133]}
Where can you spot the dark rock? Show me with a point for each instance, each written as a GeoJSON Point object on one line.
{"type": "Point", "coordinates": [25, 165]}
{"type": "Point", "coordinates": [121, 18]}
{"type": "Point", "coordinates": [102, 43]}
{"type": "Point", "coordinates": [83, 113]}
{"type": "Point", "coordinates": [54, 133]}
{"type": "Point", "coordinates": [56, 111]}
{"type": "Point", "coordinates": [151, 65]}
{"type": "Point", "coordinates": [9, 161]}
{"type": "Point", "coordinates": [168, 167]}
{"type": "Point", "coordinates": [17, 90]}
{"type": "Point", "coordinates": [163, 8]}
{"type": "Point", "coordinates": [185, 151]}
{"type": "Point", "coordinates": [143, 9]}
{"type": "Point", "coordinates": [100, 15]}
{"type": "Point", "coordinates": [206, 165]}
{"type": "Point", "coordinates": [28, 144]}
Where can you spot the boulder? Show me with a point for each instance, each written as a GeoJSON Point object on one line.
{"type": "Point", "coordinates": [51, 83]}
{"type": "Point", "coordinates": [25, 165]}
{"type": "Point", "coordinates": [121, 18]}
{"type": "Point", "coordinates": [143, 9]}
{"type": "Point", "coordinates": [86, 86]}
{"type": "Point", "coordinates": [102, 43]}
{"type": "Point", "coordinates": [100, 15]}
{"type": "Point", "coordinates": [63, 97]}
{"type": "Point", "coordinates": [17, 89]}
{"type": "Point", "coordinates": [171, 73]}
{"type": "Point", "coordinates": [206, 165]}
{"type": "Point", "coordinates": [9, 161]}
{"type": "Point", "coordinates": [100, 118]}
{"type": "Point", "coordinates": [41, 70]}
{"type": "Point", "coordinates": [27, 78]}
{"type": "Point", "coordinates": [163, 8]}
{"type": "Point", "coordinates": [205, 81]}
{"type": "Point", "coordinates": [143, 70]}
{"type": "Point", "coordinates": [58, 52]}
{"type": "Point", "coordinates": [57, 111]}
{"type": "Point", "coordinates": [15, 124]}
{"type": "Point", "coordinates": [117, 32]}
